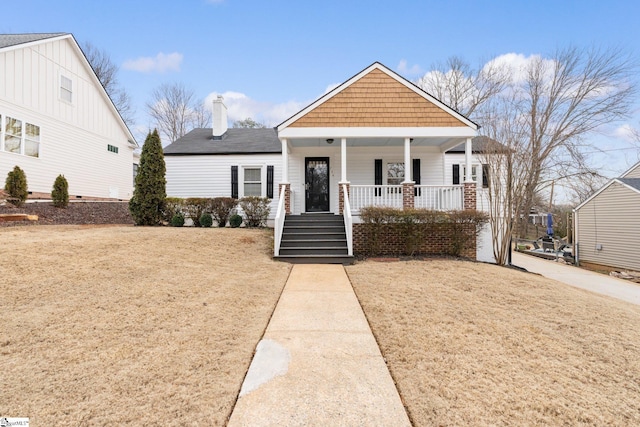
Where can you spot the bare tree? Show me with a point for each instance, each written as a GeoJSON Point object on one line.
{"type": "Point", "coordinates": [562, 100]}
{"type": "Point", "coordinates": [248, 123]}
{"type": "Point", "coordinates": [176, 111]}
{"type": "Point", "coordinates": [107, 73]}
{"type": "Point", "coordinates": [464, 88]}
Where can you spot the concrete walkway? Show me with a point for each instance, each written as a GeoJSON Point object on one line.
{"type": "Point", "coordinates": [580, 278]}
{"type": "Point", "coordinates": [318, 363]}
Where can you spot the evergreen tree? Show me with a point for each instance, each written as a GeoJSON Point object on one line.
{"type": "Point", "coordinates": [150, 191]}
{"type": "Point", "coordinates": [60, 192]}
{"type": "Point", "coordinates": [16, 186]}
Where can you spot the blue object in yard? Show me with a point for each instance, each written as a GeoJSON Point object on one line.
{"type": "Point", "coordinates": [549, 224]}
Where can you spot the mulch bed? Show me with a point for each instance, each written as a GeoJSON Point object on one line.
{"type": "Point", "coordinates": [80, 213]}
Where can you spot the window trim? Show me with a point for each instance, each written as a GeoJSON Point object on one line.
{"type": "Point", "coordinates": [241, 179]}
{"type": "Point", "coordinates": [385, 174]}
{"type": "Point", "coordinates": [23, 136]}
{"type": "Point", "coordinates": [475, 168]}
{"type": "Point", "coordinates": [62, 88]}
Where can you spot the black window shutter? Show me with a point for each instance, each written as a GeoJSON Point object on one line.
{"type": "Point", "coordinates": [378, 177]}
{"type": "Point", "coordinates": [270, 182]}
{"type": "Point", "coordinates": [485, 176]}
{"type": "Point", "coordinates": [456, 174]}
{"type": "Point", "coordinates": [415, 170]}
{"type": "Point", "coordinates": [234, 182]}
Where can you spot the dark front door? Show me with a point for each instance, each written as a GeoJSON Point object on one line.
{"type": "Point", "coordinates": [316, 184]}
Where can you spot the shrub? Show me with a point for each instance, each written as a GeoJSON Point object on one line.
{"type": "Point", "coordinates": [414, 226]}
{"type": "Point", "coordinates": [194, 207]}
{"type": "Point", "coordinates": [16, 186]}
{"type": "Point", "coordinates": [150, 191]}
{"type": "Point", "coordinates": [177, 220]}
{"type": "Point", "coordinates": [256, 210]}
{"type": "Point", "coordinates": [60, 192]}
{"type": "Point", "coordinates": [172, 206]}
{"type": "Point", "coordinates": [221, 208]}
{"type": "Point", "coordinates": [206, 220]}
{"type": "Point", "coordinates": [235, 221]}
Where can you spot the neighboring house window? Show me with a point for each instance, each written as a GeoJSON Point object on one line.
{"type": "Point", "coordinates": [32, 140]}
{"type": "Point", "coordinates": [112, 148]}
{"type": "Point", "coordinates": [66, 89]}
{"type": "Point", "coordinates": [135, 172]}
{"type": "Point", "coordinates": [13, 135]}
{"type": "Point", "coordinates": [252, 182]}
{"type": "Point", "coordinates": [19, 137]}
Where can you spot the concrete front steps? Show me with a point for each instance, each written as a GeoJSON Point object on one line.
{"type": "Point", "coordinates": [314, 239]}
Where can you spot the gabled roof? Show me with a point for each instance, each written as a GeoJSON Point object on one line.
{"type": "Point", "coordinates": [632, 184]}
{"type": "Point", "coordinates": [234, 141]}
{"type": "Point", "coordinates": [17, 41]}
{"type": "Point", "coordinates": [7, 40]}
{"type": "Point", "coordinates": [631, 169]}
{"type": "Point", "coordinates": [378, 67]}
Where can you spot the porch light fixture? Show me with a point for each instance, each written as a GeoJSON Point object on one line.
{"type": "Point", "coordinates": [330, 141]}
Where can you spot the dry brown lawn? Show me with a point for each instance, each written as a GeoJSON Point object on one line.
{"type": "Point", "coordinates": [131, 325]}
{"type": "Point", "coordinates": [473, 344]}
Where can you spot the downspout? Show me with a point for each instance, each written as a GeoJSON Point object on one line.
{"type": "Point", "coordinates": [576, 246]}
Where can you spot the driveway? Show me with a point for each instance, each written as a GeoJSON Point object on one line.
{"type": "Point", "coordinates": [580, 278]}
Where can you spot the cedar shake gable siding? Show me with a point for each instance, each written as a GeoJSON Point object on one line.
{"type": "Point", "coordinates": [377, 100]}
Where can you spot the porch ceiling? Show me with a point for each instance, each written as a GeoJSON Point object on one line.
{"type": "Point", "coordinates": [444, 143]}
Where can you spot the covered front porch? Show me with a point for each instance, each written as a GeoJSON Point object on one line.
{"type": "Point", "coordinates": [375, 140]}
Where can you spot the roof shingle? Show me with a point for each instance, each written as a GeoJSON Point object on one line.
{"type": "Point", "coordinates": [7, 40]}
{"type": "Point", "coordinates": [234, 141]}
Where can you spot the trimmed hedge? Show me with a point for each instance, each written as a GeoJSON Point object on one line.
{"type": "Point", "coordinates": [414, 226]}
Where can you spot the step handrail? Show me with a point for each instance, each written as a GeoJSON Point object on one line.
{"type": "Point", "coordinates": [279, 222]}
{"type": "Point", "coordinates": [348, 220]}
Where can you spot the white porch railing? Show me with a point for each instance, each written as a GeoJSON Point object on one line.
{"type": "Point", "coordinates": [375, 195]}
{"type": "Point", "coordinates": [436, 197]}
{"type": "Point", "coordinates": [348, 220]}
{"type": "Point", "coordinates": [439, 197]}
{"type": "Point", "coordinates": [279, 222]}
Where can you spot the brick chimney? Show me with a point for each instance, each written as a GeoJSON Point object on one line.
{"type": "Point", "coordinates": [220, 125]}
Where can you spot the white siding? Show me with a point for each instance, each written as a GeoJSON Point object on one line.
{"type": "Point", "coordinates": [611, 219]}
{"type": "Point", "coordinates": [210, 176]}
{"type": "Point", "coordinates": [482, 199]}
{"type": "Point", "coordinates": [73, 137]}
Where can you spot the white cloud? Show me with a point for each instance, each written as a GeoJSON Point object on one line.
{"type": "Point", "coordinates": [331, 87]}
{"type": "Point", "coordinates": [160, 63]}
{"type": "Point", "coordinates": [404, 68]}
{"type": "Point", "coordinates": [240, 106]}
{"type": "Point", "coordinates": [625, 132]}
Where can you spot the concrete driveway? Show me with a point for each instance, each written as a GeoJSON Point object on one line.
{"type": "Point", "coordinates": [580, 278]}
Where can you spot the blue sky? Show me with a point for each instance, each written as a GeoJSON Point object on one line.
{"type": "Point", "coordinates": [276, 56]}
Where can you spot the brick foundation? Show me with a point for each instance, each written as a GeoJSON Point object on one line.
{"type": "Point", "coordinates": [437, 240]}
{"type": "Point", "coordinates": [287, 197]}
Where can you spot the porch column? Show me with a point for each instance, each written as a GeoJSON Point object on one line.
{"type": "Point", "coordinates": [407, 185]}
{"type": "Point", "coordinates": [285, 176]}
{"type": "Point", "coordinates": [343, 175]}
{"type": "Point", "coordinates": [469, 191]}
{"type": "Point", "coordinates": [285, 160]}
{"type": "Point", "coordinates": [343, 156]}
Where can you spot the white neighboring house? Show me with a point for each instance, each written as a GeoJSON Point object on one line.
{"type": "Point", "coordinates": [56, 118]}
{"type": "Point", "coordinates": [607, 224]}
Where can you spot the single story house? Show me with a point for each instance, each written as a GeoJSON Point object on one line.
{"type": "Point", "coordinates": [377, 138]}
{"type": "Point", "coordinates": [607, 224]}
{"type": "Point", "coordinates": [56, 118]}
